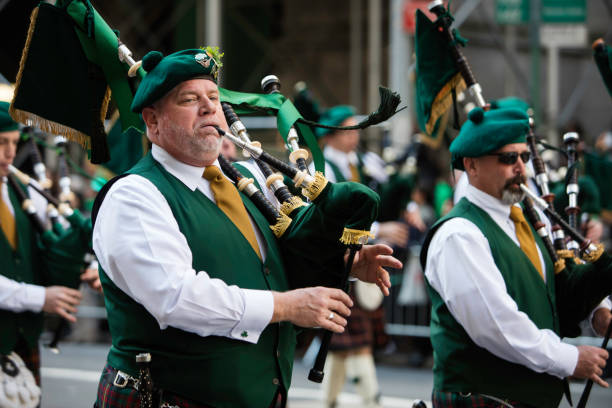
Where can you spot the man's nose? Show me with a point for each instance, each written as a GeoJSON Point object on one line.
{"type": "Point", "coordinates": [519, 166]}
{"type": "Point", "coordinates": [207, 106]}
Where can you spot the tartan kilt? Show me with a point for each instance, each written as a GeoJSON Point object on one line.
{"type": "Point", "coordinates": [363, 328]}
{"type": "Point", "coordinates": [441, 399]}
{"type": "Point", "coordinates": [30, 357]}
{"type": "Point", "coordinates": [112, 396]}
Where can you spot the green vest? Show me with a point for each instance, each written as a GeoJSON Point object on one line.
{"type": "Point", "coordinates": [217, 371]}
{"type": "Point", "coordinates": [462, 366]}
{"type": "Point", "coordinates": [21, 265]}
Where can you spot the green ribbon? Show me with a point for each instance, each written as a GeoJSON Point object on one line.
{"type": "Point", "coordinates": [100, 45]}
{"type": "Point", "coordinates": [286, 116]}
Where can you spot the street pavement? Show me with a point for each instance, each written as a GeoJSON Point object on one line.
{"type": "Point", "coordinates": [69, 380]}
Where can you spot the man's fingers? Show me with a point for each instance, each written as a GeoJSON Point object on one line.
{"type": "Point", "coordinates": [389, 261]}
{"type": "Point", "coordinates": [383, 287]}
{"type": "Point", "coordinates": [65, 306]}
{"type": "Point", "coordinates": [71, 298]}
{"type": "Point", "coordinates": [382, 249]}
{"type": "Point", "coordinates": [340, 295]}
{"type": "Point", "coordinates": [331, 326]}
{"type": "Point", "coordinates": [597, 380]}
{"type": "Point", "coordinates": [73, 293]}
{"type": "Point", "coordinates": [339, 308]}
{"type": "Point", "coordinates": [63, 313]}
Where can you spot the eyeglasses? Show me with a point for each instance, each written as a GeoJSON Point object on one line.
{"type": "Point", "coordinates": [511, 157]}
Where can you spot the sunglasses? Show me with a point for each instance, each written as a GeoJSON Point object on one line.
{"type": "Point", "coordinates": [511, 157]}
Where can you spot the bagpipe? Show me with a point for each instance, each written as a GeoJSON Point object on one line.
{"type": "Point", "coordinates": [56, 238]}
{"type": "Point", "coordinates": [438, 51]}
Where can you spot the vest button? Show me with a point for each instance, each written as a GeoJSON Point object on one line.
{"type": "Point", "coordinates": [275, 381]}
{"type": "Point", "coordinates": [267, 270]}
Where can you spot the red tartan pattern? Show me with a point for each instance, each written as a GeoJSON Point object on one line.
{"type": "Point", "coordinates": [363, 328]}
{"type": "Point", "coordinates": [441, 399]}
{"type": "Point", "coordinates": [111, 396]}
{"type": "Point", "coordinates": [30, 357]}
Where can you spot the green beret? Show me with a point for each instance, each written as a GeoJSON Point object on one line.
{"type": "Point", "coordinates": [164, 73]}
{"type": "Point", "coordinates": [7, 124]}
{"type": "Point", "coordinates": [334, 117]}
{"type": "Point", "coordinates": [485, 132]}
{"type": "Point", "coordinates": [510, 102]}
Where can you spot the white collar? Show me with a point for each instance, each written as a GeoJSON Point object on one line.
{"type": "Point", "coordinates": [339, 157]}
{"type": "Point", "coordinates": [495, 207]}
{"type": "Point", "coordinates": [187, 174]}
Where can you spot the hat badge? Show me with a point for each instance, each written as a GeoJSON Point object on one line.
{"type": "Point", "coordinates": [203, 60]}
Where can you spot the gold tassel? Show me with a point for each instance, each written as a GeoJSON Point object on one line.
{"type": "Point", "coordinates": [105, 102]}
{"type": "Point", "coordinates": [565, 253]}
{"type": "Point", "coordinates": [594, 255]}
{"type": "Point", "coordinates": [434, 142]}
{"type": "Point", "coordinates": [282, 223]}
{"type": "Point", "coordinates": [443, 100]}
{"type": "Point", "coordinates": [318, 185]}
{"type": "Point", "coordinates": [354, 236]}
{"type": "Point", "coordinates": [288, 206]}
{"type": "Point", "coordinates": [49, 126]}
{"type": "Point", "coordinates": [559, 265]}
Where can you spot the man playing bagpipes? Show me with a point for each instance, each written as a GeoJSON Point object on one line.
{"type": "Point", "coordinates": [499, 304]}
{"type": "Point", "coordinates": [40, 269]}
{"type": "Point", "coordinates": [192, 273]}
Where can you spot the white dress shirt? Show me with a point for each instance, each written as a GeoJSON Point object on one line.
{"type": "Point", "coordinates": [460, 267]}
{"type": "Point", "coordinates": [18, 296]}
{"type": "Point", "coordinates": [140, 247]}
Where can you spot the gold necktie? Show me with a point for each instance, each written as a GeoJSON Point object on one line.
{"type": "Point", "coordinates": [525, 237]}
{"type": "Point", "coordinates": [7, 222]}
{"type": "Point", "coordinates": [228, 200]}
{"type": "Point", "coordinates": [354, 173]}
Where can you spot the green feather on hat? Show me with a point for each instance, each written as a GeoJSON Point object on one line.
{"type": "Point", "coordinates": [485, 132]}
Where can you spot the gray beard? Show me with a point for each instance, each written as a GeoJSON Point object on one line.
{"type": "Point", "coordinates": [512, 197]}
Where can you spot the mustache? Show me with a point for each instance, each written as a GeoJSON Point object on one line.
{"type": "Point", "coordinates": [519, 179]}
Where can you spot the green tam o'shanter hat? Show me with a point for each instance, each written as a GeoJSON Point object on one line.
{"type": "Point", "coordinates": [334, 116]}
{"type": "Point", "coordinates": [7, 124]}
{"type": "Point", "coordinates": [485, 132]}
{"type": "Point", "coordinates": [164, 73]}
{"type": "Point", "coordinates": [510, 102]}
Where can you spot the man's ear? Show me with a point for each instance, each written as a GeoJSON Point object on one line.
{"type": "Point", "coordinates": [150, 118]}
{"type": "Point", "coordinates": [469, 164]}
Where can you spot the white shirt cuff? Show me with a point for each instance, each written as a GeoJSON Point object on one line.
{"type": "Point", "coordinates": [374, 229]}
{"type": "Point", "coordinates": [258, 309]}
{"type": "Point", "coordinates": [567, 359]}
{"type": "Point", "coordinates": [34, 297]}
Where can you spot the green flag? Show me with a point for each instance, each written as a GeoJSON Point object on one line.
{"type": "Point", "coordinates": [437, 76]}
{"type": "Point", "coordinates": [68, 69]}
{"type": "Point", "coordinates": [602, 53]}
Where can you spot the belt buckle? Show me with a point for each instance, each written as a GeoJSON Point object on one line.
{"type": "Point", "coordinates": [121, 379]}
